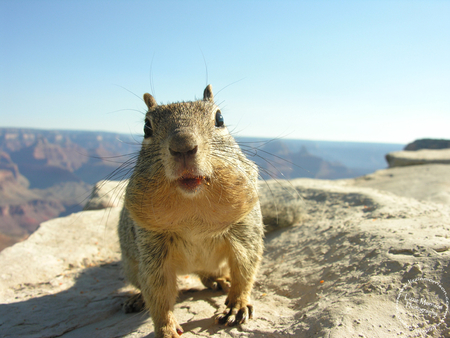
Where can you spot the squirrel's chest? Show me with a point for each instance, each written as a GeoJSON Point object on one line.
{"type": "Point", "coordinates": [194, 254]}
{"type": "Point", "coordinates": [215, 208]}
{"type": "Point", "coordinates": [208, 216]}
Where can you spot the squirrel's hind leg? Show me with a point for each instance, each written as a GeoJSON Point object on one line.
{"type": "Point", "coordinates": [134, 304]}
{"type": "Point", "coordinates": [216, 283]}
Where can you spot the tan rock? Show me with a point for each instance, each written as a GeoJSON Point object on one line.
{"type": "Point", "coordinates": [427, 182]}
{"type": "Point", "coordinates": [337, 274]}
{"type": "Point", "coordinates": [423, 156]}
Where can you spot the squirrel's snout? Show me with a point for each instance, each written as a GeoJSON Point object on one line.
{"type": "Point", "coordinates": [184, 153]}
{"type": "Point", "coordinates": [183, 149]}
{"type": "Point", "coordinates": [183, 146]}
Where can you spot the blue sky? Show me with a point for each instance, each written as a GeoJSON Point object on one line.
{"type": "Point", "coordinates": [376, 71]}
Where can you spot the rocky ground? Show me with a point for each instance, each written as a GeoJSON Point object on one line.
{"type": "Point", "coordinates": [365, 260]}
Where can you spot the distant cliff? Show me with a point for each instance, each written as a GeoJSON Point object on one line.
{"type": "Point", "coordinates": [49, 173]}
{"type": "Point", "coordinates": [276, 160]}
{"type": "Point", "coordinates": [45, 174]}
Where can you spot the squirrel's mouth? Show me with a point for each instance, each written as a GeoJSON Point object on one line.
{"type": "Point", "coordinates": [192, 183]}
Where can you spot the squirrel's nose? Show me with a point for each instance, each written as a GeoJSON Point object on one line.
{"type": "Point", "coordinates": [183, 145]}
{"type": "Point", "coordinates": [187, 153]}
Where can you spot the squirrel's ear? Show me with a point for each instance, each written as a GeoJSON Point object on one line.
{"type": "Point", "coordinates": [208, 94]}
{"type": "Point", "coordinates": [149, 101]}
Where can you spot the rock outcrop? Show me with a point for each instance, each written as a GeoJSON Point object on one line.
{"type": "Point", "coordinates": [428, 143]}
{"type": "Point", "coordinates": [424, 156]}
{"type": "Point", "coordinates": [347, 269]}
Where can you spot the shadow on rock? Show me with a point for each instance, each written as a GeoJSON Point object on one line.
{"type": "Point", "coordinates": [91, 304]}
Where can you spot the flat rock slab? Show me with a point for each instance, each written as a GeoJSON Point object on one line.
{"type": "Point", "coordinates": [423, 156]}
{"type": "Point", "coordinates": [427, 182]}
{"type": "Point", "coordinates": [337, 273]}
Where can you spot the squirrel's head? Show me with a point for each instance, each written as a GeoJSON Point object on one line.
{"type": "Point", "coordinates": [190, 170]}
{"type": "Point", "coordinates": [182, 136]}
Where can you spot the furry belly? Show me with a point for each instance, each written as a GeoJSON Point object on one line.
{"type": "Point", "coordinates": [209, 257]}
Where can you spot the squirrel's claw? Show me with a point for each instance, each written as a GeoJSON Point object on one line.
{"type": "Point", "coordinates": [234, 315]}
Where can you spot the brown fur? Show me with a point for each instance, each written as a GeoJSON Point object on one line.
{"type": "Point", "coordinates": [210, 225]}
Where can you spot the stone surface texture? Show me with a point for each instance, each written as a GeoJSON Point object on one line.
{"type": "Point", "coordinates": [336, 273]}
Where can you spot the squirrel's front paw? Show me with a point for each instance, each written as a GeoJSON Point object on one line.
{"type": "Point", "coordinates": [168, 327]}
{"type": "Point", "coordinates": [236, 313]}
{"type": "Point", "coordinates": [170, 332]}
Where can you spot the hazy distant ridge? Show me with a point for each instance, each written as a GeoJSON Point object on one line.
{"type": "Point", "coordinates": [49, 173]}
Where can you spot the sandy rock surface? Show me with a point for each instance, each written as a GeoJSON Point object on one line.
{"type": "Point", "coordinates": [337, 273]}
{"type": "Point", "coordinates": [427, 182]}
{"type": "Point", "coordinates": [423, 156]}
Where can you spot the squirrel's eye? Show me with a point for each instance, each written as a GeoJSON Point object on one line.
{"type": "Point", "coordinates": [219, 119]}
{"type": "Point", "coordinates": [148, 131]}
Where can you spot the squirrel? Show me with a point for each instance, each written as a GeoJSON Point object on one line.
{"type": "Point", "coordinates": [191, 206]}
